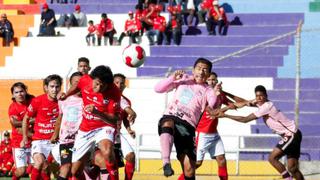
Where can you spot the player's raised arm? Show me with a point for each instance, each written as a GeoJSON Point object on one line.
{"type": "Point", "coordinates": [169, 83]}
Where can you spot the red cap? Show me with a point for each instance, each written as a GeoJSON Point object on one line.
{"type": "Point", "coordinates": [130, 12]}
{"type": "Point", "coordinates": [45, 6]}
{"type": "Point", "coordinates": [77, 7]}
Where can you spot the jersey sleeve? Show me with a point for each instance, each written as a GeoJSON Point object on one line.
{"type": "Point", "coordinates": [263, 110]}
{"type": "Point", "coordinates": [124, 103]}
{"type": "Point", "coordinates": [33, 107]}
{"type": "Point", "coordinates": [211, 97]}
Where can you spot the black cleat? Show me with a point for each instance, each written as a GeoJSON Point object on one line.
{"type": "Point", "coordinates": [167, 170]}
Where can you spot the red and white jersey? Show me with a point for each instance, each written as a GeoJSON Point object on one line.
{"type": "Point", "coordinates": [153, 10]}
{"type": "Point", "coordinates": [206, 4]}
{"type": "Point", "coordinates": [275, 119]}
{"type": "Point", "coordinates": [45, 112]}
{"type": "Point", "coordinates": [159, 23]}
{"type": "Point", "coordinates": [17, 111]}
{"type": "Point", "coordinates": [106, 25]}
{"type": "Point", "coordinates": [214, 14]}
{"type": "Point", "coordinates": [92, 29]}
{"type": "Point", "coordinates": [124, 103]}
{"type": "Point", "coordinates": [131, 25]}
{"type": "Point", "coordinates": [208, 125]}
{"type": "Point", "coordinates": [106, 102]}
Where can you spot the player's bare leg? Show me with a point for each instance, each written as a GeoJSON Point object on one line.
{"type": "Point", "coordinates": [107, 151]}
{"type": "Point", "coordinates": [78, 166]}
{"type": "Point", "coordinates": [188, 167]}
{"type": "Point", "coordinates": [293, 167]}
{"type": "Point", "coordinates": [222, 167]}
{"type": "Point", "coordinates": [274, 157]}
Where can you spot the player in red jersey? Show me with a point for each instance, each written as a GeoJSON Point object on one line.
{"type": "Point", "coordinates": [83, 65]}
{"type": "Point", "coordinates": [45, 110]}
{"type": "Point", "coordinates": [101, 102]}
{"type": "Point", "coordinates": [17, 109]}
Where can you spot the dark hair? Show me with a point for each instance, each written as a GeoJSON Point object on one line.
{"type": "Point", "coordinates": [204, 61]}
{"type": "Point", "coordinates": [53, 77]}
{"type": "Point", "coordinates": [24, 87]}
{"type": "Point", "coordinates": [75, 74]}
{"type": "Point", "coordinates": [139, 6]}
{"type": "Point", "coordinates": [6, 133]}
{"type": "Point", "coordinates": [262, 89]}
{"type": "Point", "coordinates": [84, 59]}
{"type": "Point", "coordinates": [90, 22]}
{"type": "Point", "coordinates": [103, 73]}
{"type": "Point", "coordinates": [119, 75]}
{"type": "Point", "coordinates": [215, 74]}
{"type": "Point", "coordinates": [103, 15]}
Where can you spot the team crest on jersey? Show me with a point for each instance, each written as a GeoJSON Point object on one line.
{"type": "Point", "coordinates": [64, 153]}
{"type": "Point", "coordinates": [95, 98]}
{"type": "Point", "coordinates": [105, 101]}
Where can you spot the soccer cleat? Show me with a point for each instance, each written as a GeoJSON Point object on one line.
{"type": "Point", "coordinates": [167, 170]}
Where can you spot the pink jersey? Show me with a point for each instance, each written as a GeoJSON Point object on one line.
{"type": "Point", "coordinates": [190, 98]}
{"type": "Point", "coordinates": [71, 110]}
{"type": "Point", "coordinates": [276, 120]}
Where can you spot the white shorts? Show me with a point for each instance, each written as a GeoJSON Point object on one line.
{"type": "Point", "coordinates": [86, 141]}
{"type": "Point", "coordinates": [190, 4]}
{"type": "Point", "coordinates": [21, 157]}
{"type": "Point", "coordinates": [41, 146]}
{"type": "Point", "coordinates": [56, 153]}
{"type": "Point", "coordinates": [125, 145]}
{"type": "Point", "coordinates": [211, 143]}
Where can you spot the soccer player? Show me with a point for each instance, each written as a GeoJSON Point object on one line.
{"type": "Point", "coordinates": [17, 109]}
{"type": "Point", "coordinates": [291, 136]}
{"type": "Point", "coordinates": [178, 123]}
{"type": "Point", "coordinates": [101, 100]}
{"type": "Point", "coordinates": [66, 127]}
{"type": "Point", "coordinates": [84, 65]}
{"type": "Point", "coordinates": [208, 138]}
{"type": "Point", "coordinates": [45, 110]}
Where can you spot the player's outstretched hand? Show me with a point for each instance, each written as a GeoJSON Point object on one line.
{"type": "Point", "coordinates": [178, 74]}
{"type": "Point", "coordinates": [132, 117]}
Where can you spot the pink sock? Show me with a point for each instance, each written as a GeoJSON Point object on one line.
{"type": "Point", "coordinates": [166, 142]}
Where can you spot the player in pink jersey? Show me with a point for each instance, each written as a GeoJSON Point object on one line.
{"type": "Point", "coordinates": [291, 136]}
{"type": "Point", "coordinates": [101, 102]}
{"type": "Point", "coordinates": [17, 109]}
{"type": "Point", "coordinates": [178, 123]}
{"type": "Point", "coordinates": [66, 128]}
{"type": "Point", "coordinates": [45, 109]}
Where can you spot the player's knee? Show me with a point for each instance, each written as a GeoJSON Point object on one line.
{"type": "Point", "coordinates": [198, 163]}
{"type": "Point", "coordinates": [292, 168]}
{"type": "Point", "coordinates": [65, 169]}
{"type": "Point", "coordinates": [130, 157]}
{"type": "Point", "coordinates": [189, 171]}
{"type": "Point", "coordinates": [271, 159]}
{"type": "Point", "coordinates": [168, 130]}
{"type": "Point", "coordinates": [221, 160]}
{"type": "Point", "coordinates": [20, 171]}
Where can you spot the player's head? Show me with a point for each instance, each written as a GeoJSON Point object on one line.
{"type": "Point", "coordinates": [212, 79]}
{"type": "Point", "coordinates": [75, 77]}
{"type": "Point", "coordinates": [120, 81]}
{"type": "Point", "coordinates": [201, 70]}
{"type": "Point", "coordinates": [84, 65]}
{"type": "Point", "coordinates": [52, 85]}
{"type": "Point", "coordinates": [19, 92]}
{"type": "Point", "coordinates": [6, 135]}
{"type": "Point", "coordinates": [90, 22]}
{"type": "Point", "coordinates": [102, 77]}
{"type": "Point", "coordinates": [261, 94]}
{"type": "Point", "coordinates": [103, 15]}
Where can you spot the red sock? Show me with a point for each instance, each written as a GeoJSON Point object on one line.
{"type": "Point", "coordinates": [35, 174]}
{"type": "Point", "coordinates": [45, 175]}
{"type": "Point", "coordinates": [181, 177]}
{"type": "Point", "coordinates": [223, 173]}
{"type": "Point", "coordinates": [113, 170]}
{"type": "Point", "coordinates": [129, 170]}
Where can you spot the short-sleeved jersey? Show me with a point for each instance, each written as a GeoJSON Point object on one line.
{"type": "Point", "coordinates": [92, 29]}
{"type": "Point", "coordinates": [71, 110]}
{"type": "Point", "coordinates": [275, 119]}
{"type": "Point", "coordinates": [17, 111]}
{"type": "Point", "coordinates": [159, 23]}
{"type": "Point", "coordinates": [208, 125]}
{"type": "Point", "coordinates": [124, 103]}
{"type": "Point", "coordinates": [131, 25]}
{"type": "Point", "coordinates": [45, 112]}
{"type": "Point", "coordinates": [106, 102]}
{"type": "Point", "coordinates": [189, 99]}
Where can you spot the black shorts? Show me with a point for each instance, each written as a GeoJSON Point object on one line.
{"type": "Point", "coordinates": [66, 153]}
{"type": "Point", "coordinates": [184, 136]}
{"type": "Point", "coordinates": [290, 145]}
{"type": "Point", "coordinates": [119, 155]}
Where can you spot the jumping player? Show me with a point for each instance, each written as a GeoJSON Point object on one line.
{"type": "Point", "coordinates": [178, 123]}
{"type": "Point", "coordinates": [17, 109]}
{"type": "Point", "coordinates": [291, 136]}
{"type": "Point", "coordinates": [45, 109]}
{"type": "Point", "coordinates": [101, 100]}
{"type": "Point", "coordinates": [66, 127]}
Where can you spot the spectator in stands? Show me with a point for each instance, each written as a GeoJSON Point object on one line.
{"type": "Point", "coordinates": [48, 21]}
{"type": "Point", "coordinates": [205, 5]}
{"type": "Point", "coordinates": [131, 29]}
{"type": "Point", "coordinates": [78, 18]}
{"type": "Point", "coordinates": [91, 33]}
{"type": "Point", "coordinates": [174, 30]}
{"type": "Point", "coordinates": [65, 1]}
{"type": "Point", "coordinates": [139, 16]}
{"type": "Point", "coordinates": [106, 25]}
{"type": "Point", "coordinates": [159, 27]}
{"type": "Point", "coordinates": [217, 16]}
{"type": "Point", "coordinates": [6, 155]}
{"type": "Point", "coordinates": [6, 30]}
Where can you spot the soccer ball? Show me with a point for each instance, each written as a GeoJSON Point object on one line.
{"type": "Point", "coordinates": [133, 55]}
